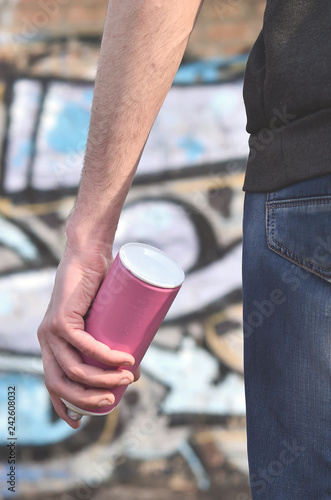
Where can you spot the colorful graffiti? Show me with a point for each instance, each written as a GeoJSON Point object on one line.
{"type": "Point", "coordinates": [187, 200]}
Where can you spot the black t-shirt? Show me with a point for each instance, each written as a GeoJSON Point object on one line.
{"type": "Point", "coordinates": [287, 94]}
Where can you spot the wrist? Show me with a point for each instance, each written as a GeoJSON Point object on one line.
{"type": "Point", "coordinates": [89, 234]}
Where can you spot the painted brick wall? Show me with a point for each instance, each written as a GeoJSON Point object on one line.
{"type": "Point", "coordinates": [224, 27]}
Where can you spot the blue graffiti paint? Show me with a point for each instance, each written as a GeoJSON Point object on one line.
{"type": "Point", "coordinates": [190, 73]}
{"type": "Point", "coordinates": [196, 466]}
{"type": "Point", "coordinates": [207, 71]}
{"type": "Point", "coordinates": [33, 411]}
{"type": "Point", "coordinates": [69, 132]}
{"type": "Point", "coordinates": [23, 154]}
{"type": "Point", "coordinates": [88, 96]}
{"type": "Point", "coordinates": [194, 149]}
{"type": "Point", "coordinates": [30, 474]}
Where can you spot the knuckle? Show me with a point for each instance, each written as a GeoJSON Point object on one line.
{"type": "Point", "coordinates": [88, 351]}
{"type": "Point", "coordinates": [74, 373]}
{"type": "Point", "coordinates": [52, 386]}
{"type": "Point", "coordinates": [56, 324]}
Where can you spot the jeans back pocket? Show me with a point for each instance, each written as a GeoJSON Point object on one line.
{"type": "Point", "coordinates": [299, 229]}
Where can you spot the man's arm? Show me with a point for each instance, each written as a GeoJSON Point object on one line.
{"type": "Point", "coordinates": [142, 46]}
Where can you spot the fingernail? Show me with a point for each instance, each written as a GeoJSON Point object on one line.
{"type": "Point", "coordinates": [128, 363]}
{"type": "Point", "coordinates": [106, 402]}
{"type": "Point", "coordinates": [73, 415]}
{"type": "Point", "coordinates": [125, 381]}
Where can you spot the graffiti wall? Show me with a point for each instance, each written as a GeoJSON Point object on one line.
{"type": "Point", "coordinates": [188, 408]}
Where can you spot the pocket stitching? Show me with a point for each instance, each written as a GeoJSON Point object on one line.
{"type": "Point", "coordinates": [290, 259]}
{"type": "Point", "coordinates": [313, 266]}
{"type": "Point", "coordinates": [294, 203]}
{"type": "Point", "coordinates": [289, 253]}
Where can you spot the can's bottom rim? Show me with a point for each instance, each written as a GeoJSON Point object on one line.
{"type": "Point", "coordinates": [72, 410]}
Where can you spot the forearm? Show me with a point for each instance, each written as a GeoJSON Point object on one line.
{"type": "Point", "coordinates": [142, 46]}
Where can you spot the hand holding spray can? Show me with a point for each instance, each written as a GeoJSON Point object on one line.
{"type": "Point", "coordinates": [129, 308]}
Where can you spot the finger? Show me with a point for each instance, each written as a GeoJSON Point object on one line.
{"type": "Point", "coordinates": [58, 384]}
{"type": "Point", "coordinates": [92, 348]}
{"type": "Point", "coordinates": [76, 370]}
{"type": "Point", "coordinates": [61, 410]}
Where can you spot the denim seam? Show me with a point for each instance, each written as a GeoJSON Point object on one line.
{"type": "Point", "coordinates": [290, 255]}
{"type": "Point", "coordinates": [290, 259]}
{"type": "Point", "coordinates": [268, 221]}
{"type": "Point", "coordinates": [301, 259]}
{"type": "Point", "coordinates": [310, 201]}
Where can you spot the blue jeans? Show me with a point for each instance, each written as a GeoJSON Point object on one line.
{"type": "Point", "coordinates": [287, 340]}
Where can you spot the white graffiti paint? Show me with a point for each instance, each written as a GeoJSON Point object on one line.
{"type": "Point", "coordinates": [206, 285]}
{"type": "Point", "coordinates": [163, 224]}
{"type": "Point", "coordinates": [189, 373]}
{"type": "Point", "coordinates": [196, 125]}
{"type": "Point", "coordinates": [23, 114]}
{"type": "Point", "coordinates": [27, 296]}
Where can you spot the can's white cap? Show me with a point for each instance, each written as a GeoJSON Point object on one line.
{"type": "Point", "coordinates": [151, 265]}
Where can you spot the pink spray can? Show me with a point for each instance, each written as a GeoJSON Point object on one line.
{"type": "Point", "coordinates": [129, 308]}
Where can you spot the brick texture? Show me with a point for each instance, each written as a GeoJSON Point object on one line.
{"type": "Point", "coordinates": [224, 27]}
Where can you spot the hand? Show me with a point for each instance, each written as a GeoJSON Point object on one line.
{"type": "Point", "coordinates": [61, 336]}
